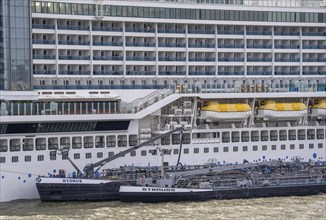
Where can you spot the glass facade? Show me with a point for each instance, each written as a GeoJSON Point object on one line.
{"type": "Point", "coordinates": [15, 45]}
{"type": "Point", "coordinates": [176, 13]}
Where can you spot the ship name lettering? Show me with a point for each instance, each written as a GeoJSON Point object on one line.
{"type": "Point", "coordinates": [71, 181]}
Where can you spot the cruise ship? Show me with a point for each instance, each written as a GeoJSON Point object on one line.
{"type": "Point", "coordinates": [244, 78]}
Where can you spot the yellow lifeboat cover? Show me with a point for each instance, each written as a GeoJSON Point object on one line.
{"type": "Point", "coordinates": [292, 106]}
{"type": "Point", "coordinates": [321, 104]}
{"type": "Point", "coordinates": [217, 107]}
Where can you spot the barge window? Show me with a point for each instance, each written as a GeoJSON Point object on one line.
{"type": "Point", "coordinates": [3, 146]}
{"type": "Point", "coordinates": [76, 156]}
{"type": "Point", "coordinates": [40, 157]}
{"type": "Point", "coordinates": [244, 148]}
{"type": "Point", "coordinates": [175, 151]}
{"type": "Point", "coordinates": [215, 149]}
{"type": "Point", "coordinates": [133, 153]}
{"type": "Point", "coordinates": [311, 146]}
{"type": "Point", "coordinates": [99, 155]}
{"type": "Point", "coordinates": [301, 146]}
{"type": "Point", "coordinates": [111, 154]}
{"type": "Point", "coordinates": [273, 147]}
{"type": "Point", "coordinates": [28, 158]}
{"type": "Point", "coordinates": [53, 156]}
{"type": "Point", "coordinates": [264, 147]}
{"type": "Point", "coordinates": [255, 148]}
{"type": "Point", "coordinates": [225, 149]}
{"type": "Point", "coordinates": [283, 147]}
{"type": "Point", "coordinates": [88, 155]}
{"type": "Point", "coordinates": [14, 159]}
{"type": "Point", "coordinates": [292, 146]}
{"type": "Point", "coordinates": [206, 150]}
{"type": "Point", "coordinates": [235, 149]}
{"type": "Point", "coordinates": [196, 150]}
{"type": "Point", "coordinates": [320, 145]}
{"type": "Point", "coordinates": [2, 159]}
{"type": "Point", "coordinates": [186, 151]}
{"type": "Point", "coordinates": [143, 153]}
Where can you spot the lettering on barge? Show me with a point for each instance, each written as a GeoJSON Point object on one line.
{"type": "Point", "coordinates": [71, 181]}
{"type": "Point", "coordinates": [158, 190]}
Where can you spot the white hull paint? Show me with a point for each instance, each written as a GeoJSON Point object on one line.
{"type": "Point", "coordinates": [281, 115]}
{"type": "Point", "coordinates": [225, 116]}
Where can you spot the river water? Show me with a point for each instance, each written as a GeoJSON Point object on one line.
{"type": "Point", "coordinates": [309, 207]}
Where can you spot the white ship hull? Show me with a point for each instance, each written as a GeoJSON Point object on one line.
{"type": "Point", "coordinates": [281, 115]}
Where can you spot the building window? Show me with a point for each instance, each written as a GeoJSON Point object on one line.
{"type": "Point", "coordinates": [76, 156]}
{"type": "Point", "coordinates": [215, 149]}
{"type": "Point", "coordinates": [175, 151]}
{"type": "Point", "coordinates": [99, 155]}
{"type": "Point", "coordinates": [2, 159]}
{"type": "Point", "coordinates": [88, 155]}
{"type": "Point", "coordinates": [311, 146]}
{"type": "Point", "coordinates": [244, 148]}
{"type": "Point", "coordinates": [283, 147]}
{"type": "Point", "coordinates": [235, 149]}
{"type": "Point", "coordinates": [292, 146]}
{"type": "Point", "coordinates": [40, 157]}
{"type": "Point", "coordinates": [196, 150]}
{"type": "Point", "coordinates": [301, 146]}
{"type": "Point", "coordinates": [264, 147]}
{"type": "Point", "coordinates": [133, 153]}
{"type": "Point", "coordinates": [14, 159]}
{"type": "Point", "coordinates": [320, 145]}
{"type": "Point", "coordinates": [186, 151]}
{"type": "Point", "coordinates": [28, 158]}
{"type": "Point", "coordinates": [225, 149]}
{"type": "Point", "coordinates": [273, 147]}
{"type": "Point", "coordinates": [143, 153]}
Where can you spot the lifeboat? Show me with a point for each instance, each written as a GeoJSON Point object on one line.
{"type": "Point", "coordinates": [271, 110]}
{"type": "Point", "coordinates": [319, 109]}
{"type": "Point", "coordinates": [214, 111]}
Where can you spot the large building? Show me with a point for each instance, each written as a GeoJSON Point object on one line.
{"type": "Point", "coordinates": [15, 45]}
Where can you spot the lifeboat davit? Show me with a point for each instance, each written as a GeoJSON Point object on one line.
{"type": "Point", "coordinates": [319, 109]}
{"type": "Point", "coordinates": [272, 110]}
{"type": "Point", "coordinates": [214, 111]}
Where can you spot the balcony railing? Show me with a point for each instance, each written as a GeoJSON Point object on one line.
{"type": "Point", "coordinates": [287, 59]}
{"type": "Point", "coordinates": [314, 47]}
{"type": "Point", "coordinates": [201, 31]}
{"type": "Point", "coordinates": [231, 46]}
{"type": "Point", "coordinates": [148, 30]}
{"type": "Point", "coordinates": [172, 58]}
{"type": "Point", "coordinates": [44, 57]}
{"type": "Point", "coordinates": [107, 73]}
{"type": "Point", "coordinates": [201, 73]}
{"type": "Point", "coordinates": [38, 41]}
{"type": "Point", "coordinates": [73, 42]}
{"type": "Point", "coordinates": [259, 33]}
{"type": "Point", "coordinates": [74, 72]}
{"type": "Point", "coordinates": [323, 73]}
{"type": "Point", "coordinates": [110, 29]}
{"type": "Point", "coordinates": [67, 57]}
{"type": "Point", "coordinates": [72, 27]}
{"type": "Point", "coordinates": [287, 73]}
{"type": "Point", "coordinates": [143, 73]}
{"type": "Point", "coordinates": [201, 45]}
{"type": "Point", "coordinates": [138, 44]}
{"type": "Point", "coordinates": [287, 33]}
{"type": "Point", "coordinates": [259, 59]}
{"type": "Point", "coordinates": [314, 59]}
{"type": "Point", "coordinates": [231, 73]}
{"type": "Point", "coordinates": [172, 45]}
{"type": "Point", "coordinates": [282, 46]}
{"type": "Point", "coordinates": [260, 46]}
{"type": "Point", "coordinates": [44, 72]}
{"type": "Point", "coordinates": [172, 73]}
{"type": "Point", "coordinates": [141, 58]}
{"type": "Point", "coordinates": [259, 73]}
{"type": "Point", "coordinates": [107, 57]}
{"type": "Point", "coordinates": [313, 33]}
{"type": "Point", "coordinates": [118, 44]}
{"type": "Point", "coordinates": [176, 31]}
{"type": "Point", "coordinates": [230, 59]}
{"type": "Point", "coordinates": [202, 59]}
{"type": "Point", "coordinates": [43, 26]}
{"type": "Point", "coordinates": [231, 32]}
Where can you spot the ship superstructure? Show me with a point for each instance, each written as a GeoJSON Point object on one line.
{"type": "Point", "coordinates": [245, 81]}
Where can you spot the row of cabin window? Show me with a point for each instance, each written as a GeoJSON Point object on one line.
{"type": "Point", "coordinates": [175, 151]}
